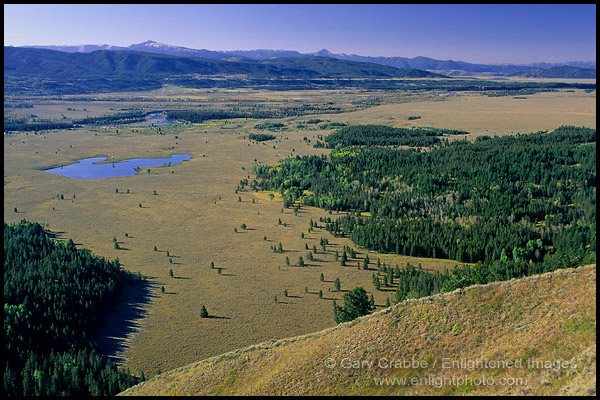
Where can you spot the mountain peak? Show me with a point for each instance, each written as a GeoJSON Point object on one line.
{"type": "Point", "coordinates": [152, 43]}
{"type": "Point", "coordinates": [323, 53]}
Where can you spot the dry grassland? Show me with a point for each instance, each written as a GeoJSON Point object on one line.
{"type": "Point", "coordinates": [195, 211]}
{"type": "Point", "coordinates": [530, 336]}
{"type": "Point", "coordinates": [482, 115]}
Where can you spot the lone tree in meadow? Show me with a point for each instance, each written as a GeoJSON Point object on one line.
{"type": "Point", "coordinates": [203, 312]}
{"type": "Point", "coordinates": [356, 304]}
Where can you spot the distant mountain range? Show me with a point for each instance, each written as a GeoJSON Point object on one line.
{"type": "Point", "coordinates": [579, 69]}
{"type": "Point", "coordinates": [150, 65]}
{"type": "Point", "coordinates": [57, 64]}
{"type": "Point", "coordinates": [44, 71]}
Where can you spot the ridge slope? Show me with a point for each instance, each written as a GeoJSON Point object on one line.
{"type": "Point", "coordinates": [529, 336]}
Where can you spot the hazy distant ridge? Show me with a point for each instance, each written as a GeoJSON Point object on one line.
{"type": "Point", "coordinates": [52, 63]}
{"type": "Point", "coordinates": [33, 70]}
{"type": "Point", "coordinates": [563, 71]}
{"type": "Point", "coordinates": [423, 63]}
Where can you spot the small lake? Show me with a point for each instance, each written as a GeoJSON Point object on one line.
{"type": "Point", "coordinates": [94, 168]}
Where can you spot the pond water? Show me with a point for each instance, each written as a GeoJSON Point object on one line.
{"type": "Point", "coordinates": [93, 168]}
{"type": "Point", "coordinates": [155, 119]}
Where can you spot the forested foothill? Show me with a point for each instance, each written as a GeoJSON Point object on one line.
{"type": "Point", "coordinates": [505, 207]}
{"type": "Point", "coordinates": [30, 71]}
{"type": "Point", "coordinates": [55, 297]}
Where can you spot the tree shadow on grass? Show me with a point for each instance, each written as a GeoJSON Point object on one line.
{"type": "Point", "coordinates": [216, 317]}
{"type": "Point", "coordinates": [59, 235]}
{"type": "Point", "coordinates": [55, 234]}
{"type": "Point", "coordinates": [124, 320]}
{"type": "Point", "coordinates": [223, 273]}
{"type": "Point", "coordinates": [329, 298]}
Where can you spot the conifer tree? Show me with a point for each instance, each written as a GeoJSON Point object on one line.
{"type": "Point", "coordinates": [203, 312]}
{"type": "Point", "coordinates": [356, 304]}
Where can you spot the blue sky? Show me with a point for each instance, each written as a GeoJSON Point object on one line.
{"type": "Point", "coordinates": [485, 33]}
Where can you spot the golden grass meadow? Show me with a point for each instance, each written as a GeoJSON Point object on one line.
{"type": "Point", "coordinates": [196, 211]}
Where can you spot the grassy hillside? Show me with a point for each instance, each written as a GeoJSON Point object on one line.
{"type": "Point", "coordinates": [533, 336]}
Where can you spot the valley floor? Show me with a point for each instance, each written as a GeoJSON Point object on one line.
{"type": "Point", "coordinates": [196, 210]}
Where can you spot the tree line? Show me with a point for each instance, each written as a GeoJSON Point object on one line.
{"type": "Point", "coordinates": [261, 137]}
{"type": "Point", "coordinates": [26, 125]}
{"type": "Point", "coordinates": [383, 135]}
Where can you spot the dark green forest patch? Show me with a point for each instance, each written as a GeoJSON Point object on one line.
{"type": "Point", "coordinates": [512, 205]}
{"type": "Point", "coordinates": [55, 296]}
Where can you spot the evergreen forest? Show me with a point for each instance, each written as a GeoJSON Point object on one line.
{"type": "Point", "coordinates": [503, 207]}
{"type": "Point", "coordinates": [54, 298]}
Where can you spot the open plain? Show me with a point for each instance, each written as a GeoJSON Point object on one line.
{"type": "Point", "coordinates": [196, 215]}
